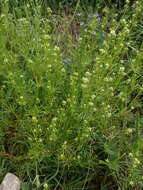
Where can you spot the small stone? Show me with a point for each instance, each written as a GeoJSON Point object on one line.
{"type": "Point", "coordinates": [1, 187]}
{"type": "Point", "coordinates": [10, 182]}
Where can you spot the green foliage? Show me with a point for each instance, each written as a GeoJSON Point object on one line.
{"type": "Point", "coordinates": [16, 5]}
{"type": "Point", "coordinates": [71, 98]}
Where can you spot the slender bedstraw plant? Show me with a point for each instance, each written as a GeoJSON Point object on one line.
{"type": "Point", "coordinates": [71, 113]}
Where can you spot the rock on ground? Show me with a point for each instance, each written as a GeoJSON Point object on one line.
{"type": "Point", "coordinates": [10, 182]}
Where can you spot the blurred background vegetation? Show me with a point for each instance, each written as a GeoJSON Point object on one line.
{"type": "Point", "coordinates": [56, 4]}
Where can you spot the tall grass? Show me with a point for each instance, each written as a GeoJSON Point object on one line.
{"type": "Point", "coordinates": [71, 108]}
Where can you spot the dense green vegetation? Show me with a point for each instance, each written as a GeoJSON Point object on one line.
{"type": "Point", "coordinates": [71, 95]}
{"type": "Point", "coordinates": [56, 4]}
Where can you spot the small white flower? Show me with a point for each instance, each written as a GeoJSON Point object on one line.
{"type": "Point", "coordinates": [111, 88]}
{"type": "Point", "coordinates": [85, 80]}
{"type": "Point", "coordinates": [123, 21]}
{"type": "Point", "coordinates": [102, 50]}
{"type": "Point", "coordinates": [91, 104]}
{"type": "Point", "coordinates": [64, 102]}
{"type": "Point", "coordinates": [136, 161]}
{"type": "Point", "coordinates": [63, 70]}
{"type": "Point", "coordinates": [56, 48]}
{"type": "Point", "coordinates": [30, 61]}
{"type": "Point", "coordinates": [106, 79]}
{"type": "Point", "coordinates": [55, 119]}
{"type": "Point", "coordinates": [34, 118]}
{"type": "Point", "coordinates": [131, 183]}
{"type": "Point", "coordinates": [109, 114]}
{"type": "Point", "coordinates": [113, 32]}
{"type": "Point", "coordinates": [49, 66]}
{"type": "Point", "coordinates": [108, 106]}
{"type": "Point", "coordinates": [46, 36]}
{"type": "Point", "coordinates": [122, 69]}
{"type": "Point", "coordinates": [88, 74]}
{"type": "Point", "coordinates": [110, 79]}
{"type": "Point", "coordinates": [126, 30]}
{"type": "Point", "coordinates": [130, 154]}
{"type": "Point", "coordinates": [46, 186]}
{"type": "Point", "coordinates": [93, 96]}
{"type": "Point", "coordinates": [107, 65]}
